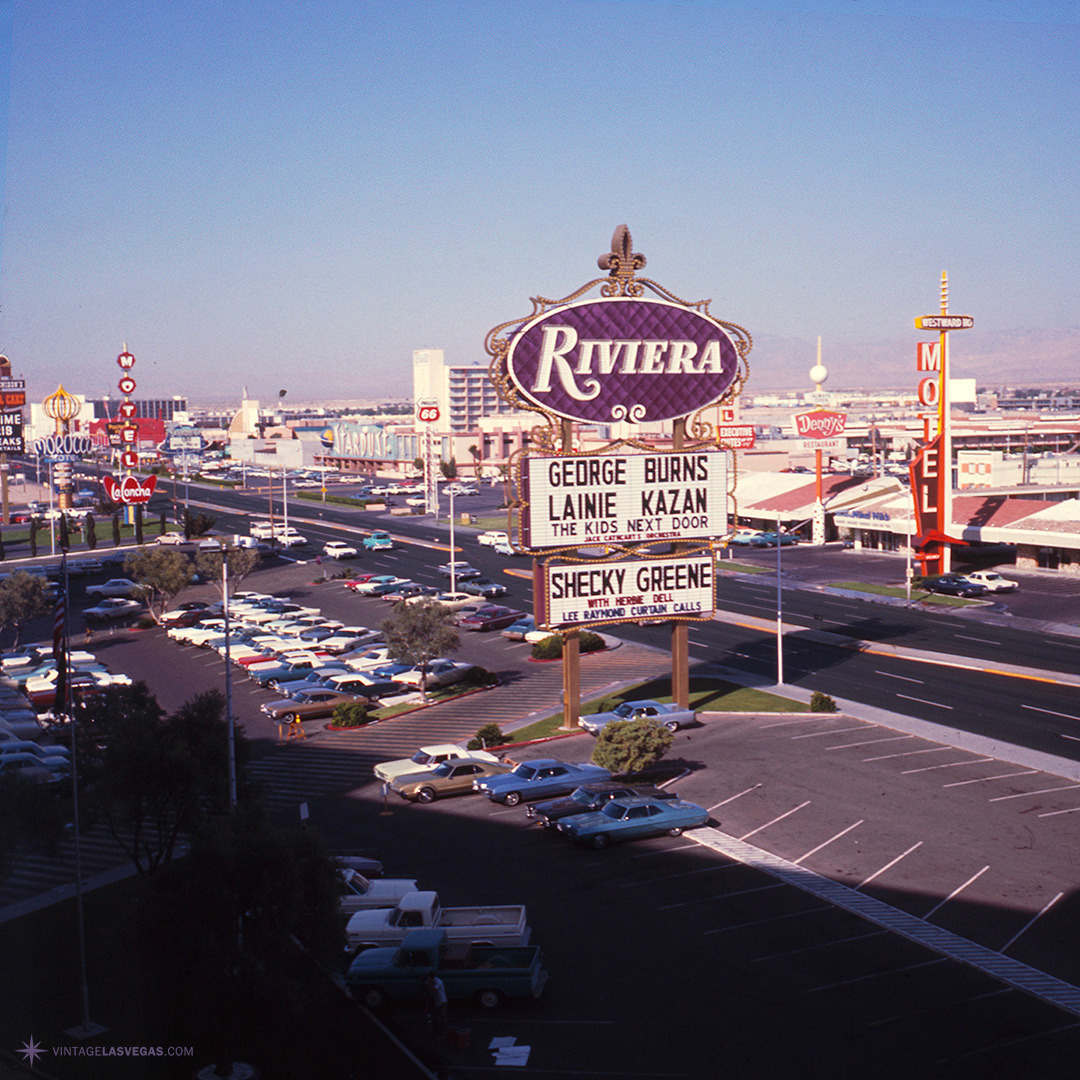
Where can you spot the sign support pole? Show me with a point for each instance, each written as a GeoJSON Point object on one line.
{"type": "Point", "coordinates": [680, 631]}
{"type": "Point", "coordinates": [572, 638]}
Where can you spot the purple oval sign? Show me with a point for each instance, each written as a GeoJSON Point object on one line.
{"type": "Point", "coordinates": [622, 359]}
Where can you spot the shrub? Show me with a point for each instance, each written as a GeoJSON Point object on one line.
{"type": "Point", "coordinates": [820, 702]}
{"type": "Point", "coordinates": [590, 642]}
{"type": "Point", "coordinates": [630, 746]}
{"type": "Point", "coordinates": [145, 622]}
{"type": "Point", "coordinates": [549, 648]}
{"type": "Point", "coordinates": [480, 676]}
{"type": "Point", "coordinates": [488, 736]}
{"type": "Point", "coordinates": [352, 714]}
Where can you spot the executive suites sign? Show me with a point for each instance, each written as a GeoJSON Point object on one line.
{"type": "Point", "coordinates": [622, 498]}
{"type": "Point", "coordinates": [595, 593]}
{"type": "Point", "coordinates": [622, 358]}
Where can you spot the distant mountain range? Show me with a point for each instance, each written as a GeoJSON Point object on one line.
{"type": "Point", "coordinates": [1010, 358]}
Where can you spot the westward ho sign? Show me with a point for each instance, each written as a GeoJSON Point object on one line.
{"type": "Point", "coordinates": [623, 498]}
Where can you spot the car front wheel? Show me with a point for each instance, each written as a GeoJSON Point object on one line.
{"type": "Point", "coordinates": [512, 798]}
{"type": "Point", "coordinates": [425, 795]}
{"type": "Point", "coordinates": [671, 726]}
{"type": "Point", "coordinates": [600, 840]}
{"type": "Point", "coordinates": [489, 998]}
{"type": "Point", "coordinates": [674, 832]}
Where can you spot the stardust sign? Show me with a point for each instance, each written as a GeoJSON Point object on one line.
{"type": "Point", "coordinates": [623, 498]}
{"type": "Point", "coordinates": [594, 593]}
{"type": "Point", "coordinates": [622, 358]}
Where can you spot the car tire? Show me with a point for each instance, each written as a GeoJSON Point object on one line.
{"type": "Point", "coordinates": [426, 795]}
{"type": "Point", "coordinates": [599, 841]}
{"type": "Point", "coordinates": [512, 798]}
{"type": "Point", "coordinates": [674, 832]}
{"type": "Point", "coordinates": [374, 997]}
{"type": "Point", "coordinates": [672, 726]}
{"type": "Point", "coordinates": [489, 998]}
{"type": "Point", "coordinates": [289, 718]}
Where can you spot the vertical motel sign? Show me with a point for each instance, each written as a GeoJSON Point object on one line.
{"type": "Point", "coordinates": [931, 471]}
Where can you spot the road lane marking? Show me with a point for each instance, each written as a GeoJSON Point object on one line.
{"type": "Point", "coordinates": [786, 813]}
{"type": "Point", "coordinates": [1050, 712]}
{"type": "Point", "coordinates": [774, 918]}
{"type": "Point", "coordinates": [878, 974]}
{"type": "Point", "coordinates": [906, 678]}
{"type": "Point", "coordinates": [819, 945]}
{"type": "Point", "coordinates": [843, 832]}
{"type": "Point", "coordinates": [888, 865]}
{"type": "Point", "coordinates": [722, 896]}
{"type": "Point", "coordinates": [1031, 922]}
{"type": "Point", "coordinates": [923, 701]}
{"type": "Point", "coordinates": [957, 891]}
{"type": "Point", "coordinates": [985, 641]}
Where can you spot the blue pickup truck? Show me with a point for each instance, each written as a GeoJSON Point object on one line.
{"type": "Point", "coordinates": [483, 973]}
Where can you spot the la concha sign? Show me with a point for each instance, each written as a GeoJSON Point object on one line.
{"type": "Point", "coordinates": [621, 358]}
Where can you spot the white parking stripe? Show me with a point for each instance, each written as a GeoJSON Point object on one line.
{"type": "Point", "coordinates": [1041, 791]}
{"type": "Point", "coordinates": [1031, 922]}
{"type": "Point", "coordinates": [888, 865]}
{"type": "Point", "coordinates": [948, 765]}
{"type": "Point", "coordinates": [733, 798]}
{"type": "Point", "coordinates": [787, 813]}
{"type": "Point", "coordinates": [843, 832]}
{"type": "Point", "coordinates": [956, 892]}
{"type": "Point", "coordinates": [986, 779]}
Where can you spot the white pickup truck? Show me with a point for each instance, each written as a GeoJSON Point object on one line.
{"type": "Point", "coordinates": [362, 893]}
{"type": "Point", "coordinates": [501, 925]}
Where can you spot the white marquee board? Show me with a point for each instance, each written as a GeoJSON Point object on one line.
{"type": "Point", "coordinates": [583, 499]}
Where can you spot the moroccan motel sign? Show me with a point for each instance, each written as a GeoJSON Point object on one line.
{"type": "Point", "coordinates": [623, 498]}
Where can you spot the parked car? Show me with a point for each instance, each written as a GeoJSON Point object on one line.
{"type": "Point", "coordinates": [427, 757]}
{"type": "Point", "coordinates": [483, 586]}
{"type": "Point", "coordinates": [632, 819]}
{"type": "Point", "coordinates": [670, 715]}
{"type": "Point", "coordinates": [454, 600]}
{"type": "Point", "coordinates": [381, 583]}
{"type": "Point", "coordinates": [110, 610]}
{"type": "Point", "coordinates": [770, 539]}
{"type": "Point", "coordinates": [115, 587]}
{"type": "Point", "coordinates": [462, 571]}
{"type": "Point", "coordinates": [338, 549]}
{"type": "Point", "coordinates": [540, 779]}
{"type": "Point", "coordinates": [589, 797]}
{"type": "Point", "coordinates": [309, 705]}
{"type": "Point", "coordinates": [411, 591]}
{"type": "Point", "coordinates": [992, 581]}
{"type": "Point", "coordinates": [449, 778]}
{"type": "Point", "coordinates": [744, 537]}
{"type": "Point", "coordinates": [379, 541]}
{"type": "Point", "coordinates": [438, 673]}
{"type": "Point", "coordinates": [490, 617]}
{"type": "Point", "coordinates": [517, 631]}
{"type": "Point", "coordinates": [953, 584]}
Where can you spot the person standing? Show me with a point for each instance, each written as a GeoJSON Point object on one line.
{"type": "Point", "coordinates": [435, 1000]}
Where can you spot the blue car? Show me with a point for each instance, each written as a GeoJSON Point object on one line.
{"type": "Point", "coordinates": [632, 819]}
{"type": "Point", "coordinates": [540, 779]}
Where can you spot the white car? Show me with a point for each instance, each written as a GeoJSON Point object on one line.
{"type": "Point", "coordinates": [454, 600]}
{"type": "Point", "coordinates": [170, 538]}
{"type": "Point", "coordinates": [337, 549]}
{"type": "Point", "coordinates": [289, 538]}
{"type": "Point", "coordinates": [493, 537]}
{"type": "Point", "coordinates": [438, 673]}
{"type": "Point", "coordinates": [992, 581]}
{"type": "Point", "coordinates": [427, 758]}
{"type": "Point", "coordinates": [121, 587]}
{"type": "Point", "coordinates": [112, 608]}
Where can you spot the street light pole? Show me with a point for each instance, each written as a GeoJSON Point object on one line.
{"type": "Point", "coordinates": [229, 722]}
{"type": "Point", "coordinates": [779, 611]}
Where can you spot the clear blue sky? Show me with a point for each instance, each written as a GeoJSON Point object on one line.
{"type": "Point", "coordinates": [296, 195]}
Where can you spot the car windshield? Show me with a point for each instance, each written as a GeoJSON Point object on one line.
{"type": "Point", "coordinates": [526, 772]}
{"type": "Point", "coordinates": [420, 758]}
{"type": "Point", "coordinates": [442, 770]}
{"type": "Point", "coordinates": [625, 709]}
{"type": "Point", "coordinates": [582, 796]}
{"type": "Point", "coordinates": [614, 810]}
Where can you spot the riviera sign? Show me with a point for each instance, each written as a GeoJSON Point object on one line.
{"type": "Point", "coordinates": [622, 358]}
{"type": "Point", "coordinates": [623, 498]}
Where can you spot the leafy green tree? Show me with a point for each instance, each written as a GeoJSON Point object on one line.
{"type": "Point", "coordinates": [63, 539]}
{"type": "Point", "coordinates": [198, 524]}
{"type": "Point", "coordinates": [3, 549]}
{"type": "Point", "coordinates": [448, 469]}
{"type": "Point", "coordinates": [23, 597]}
{"type": "Point", "coordinates": [33, 537]}
{"type": "Point", "coordinates": [161, 574]}
{"type": "Point", "coordinates": [629, 746]}
{"type": "Point", "coordinates": [241, 562]}
{"type": "Point", "coordinates": [91, 532]}
{"type": "Point", "coordinates": [223, 932]}
{"type": "Point", "coordinates": [418, 633]}
{"type": "Point", "coordinates": [30, 819]}
{"type": "Point", "coordinates": [116, 528]}
{"type": "Point", "coordinates": [156, 779]}
{"type": "Point", "coordinates": [138, 524]}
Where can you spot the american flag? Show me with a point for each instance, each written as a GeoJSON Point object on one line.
{"type": "Point", "coordinates": [60, 642]}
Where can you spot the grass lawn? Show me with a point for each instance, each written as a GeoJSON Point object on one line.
{"type": "Point", "coordinates": [706, 695]}
{"type": "Point", "coordinates": [917, 595]}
